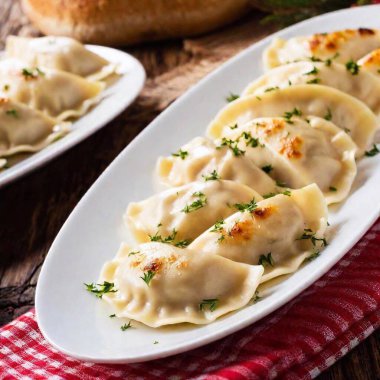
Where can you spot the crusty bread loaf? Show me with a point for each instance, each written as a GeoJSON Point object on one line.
{"type": "Point", "coordinates": [122, 22]}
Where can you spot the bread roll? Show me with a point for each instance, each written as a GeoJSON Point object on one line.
{"type": "Point", "coordinates": [122, 22]}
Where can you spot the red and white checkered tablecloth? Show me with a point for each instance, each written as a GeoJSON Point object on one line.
{"type": "Point", "coordinates": [298, 341]}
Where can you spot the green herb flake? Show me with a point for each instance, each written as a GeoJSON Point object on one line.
{"type": "Point", "coordinates": [218, 226]}
{"type": "Point", "coordinates": [133, 253]}
{"type": "Point", "coordinates": [182, 243]}
{"type": "Point", "coordinates": [332, 188]}
{"type": "Point", "coordinates": [211, 304]}
{"type": "Point", "coordinates": [328, 115]}
{"type": "Point", "coordinates": [126, 326]}
{"type": "Point", "coordinates": [312, 72]}
{"type": "Point", "coordinates": [148, 276]}
{"type": "Point", "coordinates": [269, 195]}
{"type": "Point", "coordinates": [233, 145]}
{"type": "Point", "coordinates": [213, 176]}
{"type": "Point", "coordinates": [250, 141]}
{"type": "Point", "coordinates": [289, 114]}
{"type": "Point", "coordinates": [200, 202]}
{"type": "Point", "coordinates": [352, 67]}
{"type": "Point", "coordinates": [170, 239]}
{"type": "Point", "coordinates": [100, 289]}
{"type": "Point", "coordinates": [267, 168]}
{"type": "Point", "coordinates": [112, 316]}
{"type": "Point", "coordinates": [31, 73]}
{"type": "Point", "coordinates": [288, 193]}
{"type": "Point", "coordinates": [311, 257]}
{"type": "Point", "coordinates": [256, 297]}
{"type": "Point", "coordinates": [315, 59]}
{"type": "Point", "coordinates": [281, 184]}
{"type": "Point", "coordinates": [266, 260]}
{"type": "Point", "coordinates": [12, 113]}
{"type": "Point", "coordinates": [249, 207]}
{"type": "Point", "coordinates": [314, 81]}
{"type": "Point", "coordinates": [181, 153]}
{"type": "Point", "coordinates": [231, 97]}
{"type": "Point", "coordinates": [258, 98]}
{"type": "Point", "coordinates": [328, 61]}
{"type": "Point", "coordinates": [234, 126]}
{"type": "Point", "coordinates": [373, 152]}
{"type": "Point", "coordinates": [308, 234]}
{"type": "Point", "coordinates": [155, 342]}
{"type": "Point", "coordinates": [269, 89]}
{"type": "Point", "coordinates": [6, 87]}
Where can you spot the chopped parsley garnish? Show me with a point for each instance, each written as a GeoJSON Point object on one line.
{"type": "Point", "coordinates": [370, 153]}
{"type": "Point", "coordinates": [288, 193]}
{"type": "Point", "coordinates": [314, 81]}
{"type": "Point", "coordinates": [234, 126]}
{"type": "Point", "coordinates": [266, 260]}
{"type": "Point", "coordinates": [308, 234]}
{"type": "Point", "coordinates": [182, 243]}
{"type": "Point", "coordinates": [32, 73]}
{"type": "Point", "coordinates": [315, 59]}
{"type": "Point", "coordinates": [290, 83]}
{"type": "Point", "coordinates": [249, 207]}
{"type": "Point", "coordinates": [269, 89]}
{"type": "Point", "coordinates": [332, 188]}
{"type": "Point", "coordinates": [100, 289]}
{"type": "Point", "coordinates": [148, 276]}
{"type": "Point", "coordinates": [155, 342]}
{"type": "Point", "coordinates": [328, 115]}
{"type": "Point", "coordinates": [269, 195]}
{"type": "Point", "coordinates": [112, 315]}
{"type": "Point", "coordinates": [133, 253]}
{"type": "Point", "coordinates": [170, 239]}
{"type": "Point", "coordinates": [312, 72]}
{"type": "Point", "coordinates": [253, 142]}
{"type": "Point", "coordinates": [126, 326]}
{"type": "Point", "coordinates": [12, 113]}
{"type": "Point", "coordinates": [181, 153]}
{"type": "Point", "coordinates": [231, 97]}
{"type": "Point", "coordinates": [311, 257]}
{"type": "Point", "coordinates": [352, 67]}
{"type": "Point", "coordinates": [288, 115]}
{"type": "Point", "coordinates": [197, 204]}
{"type": "Point", "coordinates": [255, 298]}
{"type": "Point", "coordinates": [267, 168]}
{"type": "Point", "coordinates": [211, 304]}
{"type": "Point", "coordinates": [281, 184]}
{"type": "Point", "coordinates": [6, 87]}
{"type": "Point", "coordinates": [258, 98]}
{"type": "Point", "coordinates": [328, 61]}
{"type": "Point", "coordinates": [233, 145]}
{"type": "Point", "coordinates": [218, 227]}
{"type": "Point", "coordinates": [213, 176]}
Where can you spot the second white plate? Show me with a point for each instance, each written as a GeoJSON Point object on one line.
{"type": "Point", "coordinates": [115, 99]}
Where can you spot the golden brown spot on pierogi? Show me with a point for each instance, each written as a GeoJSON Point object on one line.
{"type": "Point", "coordinates": [263, 212]}
{"type": "Point", "coordinates": [242, 230]}
{"type": "Point", "coordinates": [291, 147]}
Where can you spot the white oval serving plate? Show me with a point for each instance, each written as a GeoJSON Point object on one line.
{"type": "Point", "coordinates": [77, 323]}
{"type": "Point", "coordinates": [115, 99]}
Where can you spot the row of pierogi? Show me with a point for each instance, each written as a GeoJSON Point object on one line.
{"type": "Point", "coordinates": [248, 203]}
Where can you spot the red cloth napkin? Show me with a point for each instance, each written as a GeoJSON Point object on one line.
{"type": "Point", "coordinates": [298, 341]}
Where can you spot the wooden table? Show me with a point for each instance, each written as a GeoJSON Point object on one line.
{"type": "Point", "coordinates": [33, 209]}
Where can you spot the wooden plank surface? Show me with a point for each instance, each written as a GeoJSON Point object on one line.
{"type": "Point", "coordinates": [33, 209]}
